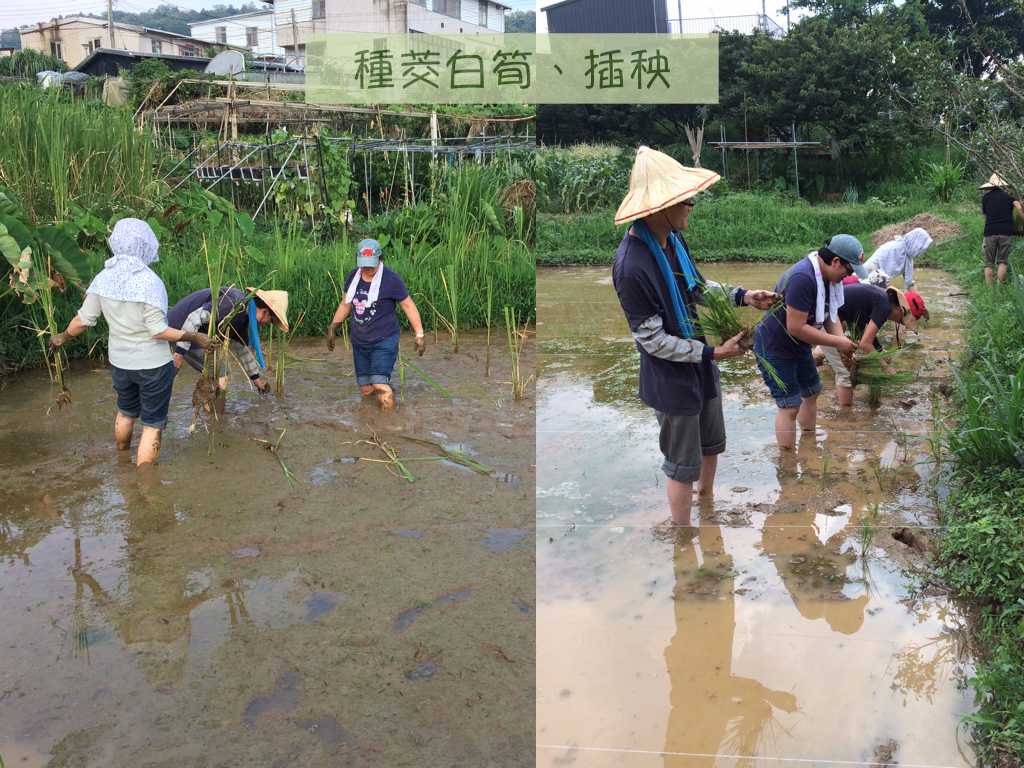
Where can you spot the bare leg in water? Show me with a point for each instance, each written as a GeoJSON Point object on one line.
{"type": "Point", "coordinates": [123, 426]}
{"type": "Point", "coordinates": [149, 446]}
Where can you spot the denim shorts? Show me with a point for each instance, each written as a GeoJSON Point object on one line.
{"type": "Point", "coordinates": [799, 376]}
{"type": "Point", "coordinates": [145, 393]}
{"type": "Point", "coordinates": [375, 363]}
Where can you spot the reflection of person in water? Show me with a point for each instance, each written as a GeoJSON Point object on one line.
{"type": "Point", "coordinates": [712, 710]}
{"type": "Point", "coordinates": [813, 570]}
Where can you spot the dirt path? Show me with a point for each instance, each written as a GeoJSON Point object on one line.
{"type": "Point", "coordinates": [208, 614]}
{"type": "Point", "coordinates": [784, 629]}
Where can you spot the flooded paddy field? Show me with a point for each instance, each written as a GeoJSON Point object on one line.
{"type": "Point", "coordinates": [784, 628]}
{"type": "Point", "coordinates": [205, 613]}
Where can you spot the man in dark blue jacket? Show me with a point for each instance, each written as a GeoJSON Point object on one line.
{"type": "Point", "coordinates": [659, 287]}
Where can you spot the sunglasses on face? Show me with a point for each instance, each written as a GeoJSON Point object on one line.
{"type": "Point", "coordinates": [689, 203]}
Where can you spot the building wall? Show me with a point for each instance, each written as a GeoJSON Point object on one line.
{"type": "Point", "coordinates": [235, 29]}
{"type": "Point", "coordinates": [77, 40]}
{"type": "Point", "coordinates": [601, 16]}
{"type": "Point", "coordinates": [294, 21]}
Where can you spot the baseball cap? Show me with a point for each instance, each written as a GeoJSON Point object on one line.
{"type": "Point", "coordinates": [368, 253]}
{"type": "Point", "coordinates": [849, 249]}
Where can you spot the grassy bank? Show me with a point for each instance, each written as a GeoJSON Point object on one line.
{"type": "Point", "coordinates": [982, 553]}
{"type": "Point", "coordinates": [739, 226]}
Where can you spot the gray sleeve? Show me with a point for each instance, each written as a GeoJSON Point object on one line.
{"type": "Point", "coordinates": [735, 294]}
{"type": "Point", "coordinates": [246, 358]}
{"type": "Point", "coordinates": [199, 318]}
{"type": "Point", "coordinates": [651, 335]}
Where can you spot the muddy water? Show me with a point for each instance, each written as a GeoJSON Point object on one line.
{"type": "Point", "coordinates": [784, 628]}
{"type": "Point", "coordinates": [207, 614]}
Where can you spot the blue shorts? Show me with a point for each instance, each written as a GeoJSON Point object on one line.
{"type": "Point", "coordinates": [799, 376]}
{"type": "Point", "coordinates": [145, 393]}
{"type": "Point", "coordinates": [376, 362]}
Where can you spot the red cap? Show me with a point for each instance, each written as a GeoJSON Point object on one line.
{"type": "Point", "coordinates": [917, 307]}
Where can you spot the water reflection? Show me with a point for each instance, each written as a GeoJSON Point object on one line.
{"type": "Point", "coordinates": [712, 710]}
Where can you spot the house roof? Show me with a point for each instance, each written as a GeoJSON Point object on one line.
{"type": "Point", "coordinates": [102, 23]}
{"type": "Point", "coordinates": [248, 14]}
{"type": "Point", "coordinates": [120, 53]}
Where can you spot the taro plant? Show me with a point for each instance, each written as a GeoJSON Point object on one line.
{"type": "Point", "coordinates": [43, 259]}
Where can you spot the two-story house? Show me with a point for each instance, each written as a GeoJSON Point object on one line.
{"type": "Point", "coordinates": [255, 30]}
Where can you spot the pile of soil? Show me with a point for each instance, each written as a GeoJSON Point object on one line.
{"type": "Point", "coordinates": [940, 229]}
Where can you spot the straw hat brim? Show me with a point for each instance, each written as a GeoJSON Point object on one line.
{"type": "Point", "coordinates": [277, 303]}
{"type": "Point", "coordinates": [994, 181]}
{"type": "Point", "coordinates": [659, 181]}
{"type": "Point", "coordinates": [908, 316]}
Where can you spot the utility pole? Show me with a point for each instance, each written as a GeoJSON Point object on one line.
{"type": "Point", "coordinates": [679, 7]}
{"type": "Point", "coordinates": [110, 20]}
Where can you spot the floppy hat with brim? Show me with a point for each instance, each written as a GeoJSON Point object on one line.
{"type": "Point", "coordinates": [277, 303]}
{"type": "Point", "coordinates": [995, 180]}
{"type": "Point", "coordinates": [657, 182]}
{"type": "Point", "coordinates": [849, 249]}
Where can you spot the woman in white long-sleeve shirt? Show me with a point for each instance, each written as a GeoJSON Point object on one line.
{"type": "Point", "coordinates": [896, 258]}
{"type": "Point", "coordinates": [133, 301]}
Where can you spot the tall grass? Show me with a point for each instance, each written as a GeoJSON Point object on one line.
{"type": "Point", "coordinates": [58, 154]}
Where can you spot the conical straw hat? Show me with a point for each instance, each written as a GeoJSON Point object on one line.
{"type": "Point", "coordinates": [277, 303]}
{"type": "Point", "coordinates": [657, 182]}
{"type": "Point", "coordinates": [995, 180]}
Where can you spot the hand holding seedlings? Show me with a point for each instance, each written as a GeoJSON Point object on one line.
{"type": "Point", "coordinates": [731, 348]}
{"type": "Point", "coordinates": [329, 336]}
{"type": "Point", "coordinates": [421, 344]}
{"type": "Point", "coordinates": [58, 339]}
{"type": "Point", "coordinates": [760, 299]}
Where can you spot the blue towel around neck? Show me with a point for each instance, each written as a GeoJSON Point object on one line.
{"type": "Point", "coordinates": [254, 335]}
{"type": "Point", "coordinates": [690, 273]}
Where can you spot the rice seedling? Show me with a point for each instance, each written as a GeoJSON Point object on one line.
{"type": "Point", "coordinates": [435, 385]}
{"type": "Point", "coordinates": [275, 450]}
{"type": "Point", "coordinates": [868, 528]}
{"type": "Point", "coordinates": [720, 319]}
{"type": "Point", "coordinates": [876, 370]}
{"type": "Point", "coordinates": [458, 457]}
{"type": "Point", "coordinates": [490, 301]}
{"type": "Point", "coordinates": [516, 340]}
{"type": "Point", "coordinates": [392, 463]}
{"type": "Point", "coordinates": [826, 460]}
{"type": "Point", "coordinates": [451, 292]}
{"type": "Point", "coordinates": [281, 355]}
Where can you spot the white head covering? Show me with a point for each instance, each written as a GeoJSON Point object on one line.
{"type": "Point", "coordinates": [126, 276]}
{"type": "Point", "coordinates": [916, 242]}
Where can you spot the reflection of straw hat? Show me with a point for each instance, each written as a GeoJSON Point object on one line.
{"type": "Point", "coordinates": [277, 303]}
{"type": "Point", "coordinates": [657, 182]}
{"type": "Point", "coordinates": [995, 180]}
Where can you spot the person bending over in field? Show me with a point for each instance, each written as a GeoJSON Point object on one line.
{"type": "Point", "coordinates": [659, 287]}
{"type": "Point", "coordinates": [369, 303]}
{"type": "Point", "coordinates": [242, 329]}
{"type": "Point", "coordinates": [866, 308]}
{"type": "Point", "coordinates": [812, 292]}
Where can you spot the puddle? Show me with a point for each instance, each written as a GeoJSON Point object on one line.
{"type": "Point", "coordinates": [783, 627]}
{"type": "Point", "coordinates": [501, 540]}
{"type": "Point", "coordinates": [249, 622]}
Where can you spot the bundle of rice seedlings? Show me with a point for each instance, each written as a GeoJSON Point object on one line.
{"type": "Point", "coordinates": [720, 319]}
{"type": "Point", "coordinates": [875, 369]}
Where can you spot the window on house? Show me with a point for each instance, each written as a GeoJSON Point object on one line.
{"type": "Point", "coordinates": [222, 34]}
{"type": "Point", "coordinates": [252, 36]}
{"type": "Point", "coordinates": [319, 9]}
{"type": "Point", "coordinates": [483, 14]}
{"type": "Point", "coordinates": [158, 47]}
{"type": "Point", "coordinates": [451, 8]}
{"type": "Point", "coordinates": [188, 50]}
{"type": "Point", "coordinates": [55, 49]}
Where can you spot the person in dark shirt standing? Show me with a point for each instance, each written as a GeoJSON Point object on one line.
{"type": "Point", "coordinates": [372, 293]}
{"type": "Point", "coordinates": [658, 286]}
{"type": "Point", "coordinates": [866, 308]}
{"type": "Point", "coordinates": [997, 204]}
